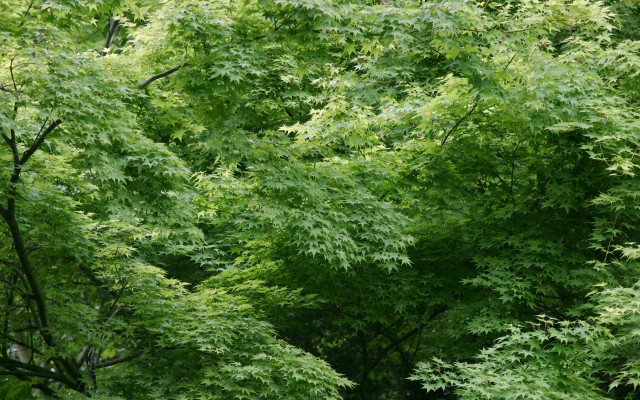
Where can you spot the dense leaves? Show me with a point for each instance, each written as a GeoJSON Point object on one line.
{"type": "Point", "coordinates": [285, 199]}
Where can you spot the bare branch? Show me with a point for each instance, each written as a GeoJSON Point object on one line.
{"type": "Point", "coordinates": [25, 13]}
{"type": "Point", "coordinates": [114, 27]}
{"type": "Point", "coordinates": [118, 360]}
{"type": "Point", "coordinates": [6, 89]}
{"type": "Point", "coordinates": [42, 127]}
{"type": "Point", "coordinates": [160, 75]}
{"type": "Point", "coordinates": [511, 59]}
{"type": "Point", "coordinates": [6, 138]}
{"type": "Point", "coordinates": [113, 307]}
{"type": "Point", "coordinates": [13, 78]}
{"type": "Point", "coordinates": [20, 369]}
{"type": "Point", "coordinates": [9, 215]}
{"type": "Point", "coordinates": [38, 142]}
{"type": "Point", "coordinates": [83, 355]}
{"type": "Point", "coordinates": [47, 375]}
{"type": "Point", "coordinates": [461, 120]}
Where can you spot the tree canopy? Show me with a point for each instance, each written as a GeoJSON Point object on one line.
{"type": "Point", "coordinates": [319, 199]}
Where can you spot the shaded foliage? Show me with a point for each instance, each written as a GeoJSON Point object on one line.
{"type": "Point", "coordinates": [320, 199]}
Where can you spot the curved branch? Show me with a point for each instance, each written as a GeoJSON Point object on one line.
{"type": "Point", "coordinates": [160, 75]}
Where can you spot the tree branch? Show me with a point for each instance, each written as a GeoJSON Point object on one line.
{"type": "Point", "coordinates": [391, 346]}
{"type": "Point", "coordinates": [27, 270]}
{"type": "Point", "coordinates": [9, 215]}
{"type": "Point", "coordinates": [130, 357]}
{"type": "Point", "coordinates": [8, 362]}
{"type": "Point", "coordinates": [160, 75]}
{"type": "Point", "coordinates": [6, 89]}
{"type": "Point", "coordinates": [394, 343]}
{"type": "Point", "coordinates": [42, 386]}
{"type": "Point", "coordinates": [461, 120]}
{"type": "Point", "coordinates": [25, 13]}
{"type": "Point", "coordinates": [13, 78]}
{"type": "Point", "coordinates": [6, 138]}
{"type": "Point", "coordinates": [48, 375]}
{"type": "Point", "coordinates": [118, 360]}
{"type": "Point", "coordinates": [31, 370]}
{"type": "Point", "coordinates": [38, 142]}
{"type": "Point", "coordinates": [111, 34]}
{"type": "Point", "coordinates": [83, 355]}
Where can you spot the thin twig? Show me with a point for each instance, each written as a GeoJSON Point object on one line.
{"type": "Point", "coordinates": [511, 59]}
{"type": "Point", "coordinates": [461, 120]}
{"type": "Point", "coordinates": [24, 15]}
{"type": "Point", "coordinates": [13, 79]}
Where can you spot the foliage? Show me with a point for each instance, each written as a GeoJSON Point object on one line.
{"type": "Point", "coordinates": [322, 199]}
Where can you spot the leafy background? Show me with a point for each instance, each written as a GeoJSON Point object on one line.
{"type": "Point", "coordinates": [284, 199]}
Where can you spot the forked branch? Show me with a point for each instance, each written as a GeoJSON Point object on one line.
{"type": "Point", "coordinates": [38, 142]}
